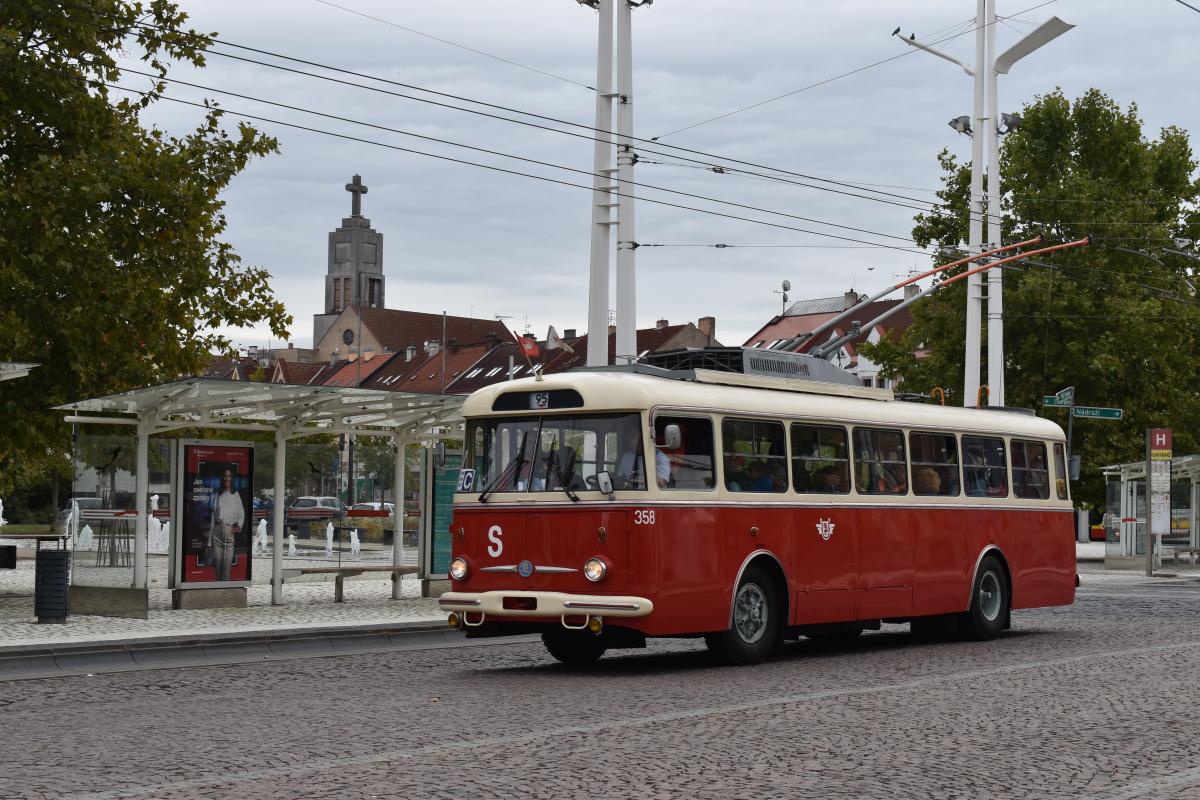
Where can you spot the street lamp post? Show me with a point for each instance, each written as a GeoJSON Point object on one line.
{"type": "Point", "coordinates": [987, 66]}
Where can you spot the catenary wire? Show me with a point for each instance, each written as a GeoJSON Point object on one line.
{"type": "Point", "coordinates": [511, 156]}
{"type": "Point", "coordinates": [831, 80]}
{"type": "Point", "coordinates": [455, 44]}
{"type": "Point", "coordinates": [506, 171]}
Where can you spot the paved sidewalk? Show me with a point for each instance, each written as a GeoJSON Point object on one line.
{"type": "Point", "coordinates": [308, 608]}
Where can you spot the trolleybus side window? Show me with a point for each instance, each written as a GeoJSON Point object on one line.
{"type": "Point", "coordinates": [879, 463]}
{"type": "Point", "coordinates": [934, 464]}
{"type": "Point", "coordinates": [1060, 472]}
{"type": "Point", "coordinates": [985, 470]}
{"type": "Point", "coordinates": [691, 464]}
{"type": "Point", "coordinates": [755, 456]}
{"type": "Point", "coordinates": [1031, 478]}
{"type": "Point", "coordinates": [820, 459]}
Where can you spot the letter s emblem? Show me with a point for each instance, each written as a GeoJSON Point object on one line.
{"type": "Point", "coordinates": [496, 547]}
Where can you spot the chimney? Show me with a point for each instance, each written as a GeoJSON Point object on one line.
{"type": "Point", "coordinates": [912, 290]}
{"type": "Point", "coordinates": [410, 352]}
{"type": "Point", "coordinates": [568, 333]}
{"type": "Point", "coordinates": [291, 346]}
{"type": "Point", "coordinates": [708, 326]}
{"type": "Point", "coordinates": [662, 323]}
{"type": "Point", "coordinates": [849, 299]}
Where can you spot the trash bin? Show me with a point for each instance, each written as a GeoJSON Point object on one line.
{"type": "Point", "coordinates": [51, 585]}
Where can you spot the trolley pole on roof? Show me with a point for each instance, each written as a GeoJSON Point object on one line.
{"type": "Point", "coordinates": [603, 200]}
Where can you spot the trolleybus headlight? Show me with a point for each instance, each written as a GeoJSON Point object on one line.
{"type": "Point", "coordinates": [458, 568]}
{"type": "Point", "coordinates": [594, 569]}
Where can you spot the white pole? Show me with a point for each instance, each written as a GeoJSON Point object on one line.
{"type": "Point", "coordinates": [142, 502]}
{"type": "Point", "coordinates": [995, 299]}
{"type": "Point", "coordinates": [602, 199]}
{"type": "Point", "coordinates": [626, 230]}
{"type": "Point", "coordinates": [278, 512]}
{"type": "Point", "coordinates": [975, 226]}
{"type": "Point", "coordinates": [398, 513]}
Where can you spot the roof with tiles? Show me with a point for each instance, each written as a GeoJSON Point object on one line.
{"type": "Point", "coordinates": [396, 329]}
{"type": "Point", "coordinates": [649, 340]}
{"type": "Point", "coordinates": [354, 373]}
{"type": "Point", "coordinates": [426, 376]}
{"type": "Point", "coordinates": [294, 372]}
{"type": "Point", "coordinates": [786, 327]}
{"type": "Point", "coordinates": [492, 368]}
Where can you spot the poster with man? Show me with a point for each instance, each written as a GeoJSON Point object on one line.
{"type": "Point", "coordinates": [214, 544]}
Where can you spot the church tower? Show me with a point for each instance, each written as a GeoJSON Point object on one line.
{"type": "Point", "coordinates": [355, 273]}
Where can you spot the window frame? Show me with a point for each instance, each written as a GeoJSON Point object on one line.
{"type": "Point", "coordinates": [670, 414]}
{"type": "Point", "coordinates": [1062, 481]}
{"type": "Point", "coordinates": [913, 464]}
{"type": "Point", "coordinates": [1026, 469]}
{"type": "Point", "coordinates": [848, 475]}
{"type": "Point", "coordinates": [857, 460]}
{"type": "Point", "coordinates": [785, 457]}
{"type": "Point", "coordinates": [983, 439]}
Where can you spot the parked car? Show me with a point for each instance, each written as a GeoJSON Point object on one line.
{"type": "Point", "coordinates": [373, 506]}
{"type": "Point", "coordinates": [316, 508]}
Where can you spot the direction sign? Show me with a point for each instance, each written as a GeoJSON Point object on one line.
{"type": "Point", "coordinates": [1093, 412]}
{"type": "Point", "coordinates": [1052, 400]}
{"type": "Point", "coordinates": [1065, 396]}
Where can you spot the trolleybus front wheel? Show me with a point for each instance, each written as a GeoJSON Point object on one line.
{"type": "Point", "coordinates": [755, 629]}
{"type": "Point", "coordinates": [986, 617]}
{"type": "Point", "coordinates": [577, 648]}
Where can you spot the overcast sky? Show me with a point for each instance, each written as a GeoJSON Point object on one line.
{"type": "Point", "coordinates": [474, 242]}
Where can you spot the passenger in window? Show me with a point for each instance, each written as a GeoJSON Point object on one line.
{"type": "Point", "coordinates": [891, 479]}
{"type": "Point", "coordinates": [830, 480]}
{"type": "Point", "coordinates": [760, 478]}
{"type": "Point", "coordinates": [927, 481]}
{"type": "Point", "coordinates": [976, 474]}
{"type": "Point", "coordinates": [631, 466]}
{"type": "Point", "coordinates": [736, 476]}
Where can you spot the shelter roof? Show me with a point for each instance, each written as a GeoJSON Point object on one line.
{"type": "Point", "coordinates": [15, 369]}
{"type": "Point", "coordinates": [302, 410]}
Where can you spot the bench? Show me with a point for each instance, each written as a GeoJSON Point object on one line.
{"type": "Point", "coordinates": [1191, 552]}
{"type": "Point", "coordinates": [341, 573]}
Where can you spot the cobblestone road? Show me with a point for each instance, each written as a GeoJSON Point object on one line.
{"type": "Point", "coordinates": [1094, 700]}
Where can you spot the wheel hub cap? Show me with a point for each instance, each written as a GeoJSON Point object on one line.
{"type": "Point", "coordinates": [750, 613]}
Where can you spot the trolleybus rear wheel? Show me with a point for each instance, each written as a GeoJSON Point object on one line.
{"type": "Point", "coordinates": [989, 602]}
{"type": "Point", "coordinates": [574, 648]}
{"type": "Point", "coordinates": [755, 629]}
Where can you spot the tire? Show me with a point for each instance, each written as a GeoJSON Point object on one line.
{"type": "Point", "coordinates": [757, 622]}
{"type": "Point", "coordinates": [577, 649]}
{"type": "Point", "coordinates": [988, 614]}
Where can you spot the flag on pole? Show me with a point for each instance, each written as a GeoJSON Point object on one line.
{"type": "Point", "coordinates": [529, 347]}
{"type": "Point", "coordinates": [554, 341]}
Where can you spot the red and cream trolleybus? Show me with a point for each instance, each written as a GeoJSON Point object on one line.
{"type": "Point", "coordinates": [603, 507]}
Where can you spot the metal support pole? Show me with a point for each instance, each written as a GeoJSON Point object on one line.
{"type": "Point", "coordinates": [995, 315]}
{"type": "Point", "coordinates": [626, 228]}
{"type": "Point", "coordinates": [971, 364]}
{"type": "Point", "coordinates": [398, 513]}
{"type": "Point", "coordinates": [142, 501]}
{"type": "Point", "coordinates": [278, 512]}
{"type": "Point", "coordinates": [602, 199]}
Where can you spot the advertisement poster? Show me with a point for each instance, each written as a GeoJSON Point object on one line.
{"type": "Point", "coordinates": [214, 545]}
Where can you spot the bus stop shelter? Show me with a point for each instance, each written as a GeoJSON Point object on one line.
{"type": "Point", "coordinates": [286, 411]}
{"type": "Point", "coordinates": [1125, 513]}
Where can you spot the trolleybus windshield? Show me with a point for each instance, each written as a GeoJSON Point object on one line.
{"type": "Point", "coordinates": [559, 451]}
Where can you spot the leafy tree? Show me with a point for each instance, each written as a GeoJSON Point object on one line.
{"type": "Point", "coordinates": [112, 272]}
{"type": "Point", "coordinates": [1122, 327]}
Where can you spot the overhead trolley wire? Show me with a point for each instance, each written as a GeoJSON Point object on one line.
{"type": "Point", "coordinates": [500, 154]}
{"type": "Point", "coordinates": [455, 44]}
{"type": "Point", "coordinates": [507, 171]}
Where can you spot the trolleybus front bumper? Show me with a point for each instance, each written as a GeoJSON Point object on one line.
{"type": "Point", "coordinates": [475, 607]}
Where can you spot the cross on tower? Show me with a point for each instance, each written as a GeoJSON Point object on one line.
{"type": "Point", "coordinates": [357, 189]}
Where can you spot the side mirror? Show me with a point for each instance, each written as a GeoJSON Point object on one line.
{"type": "Point", "coordinates": [439, 454]}
{"type": "Point", "coordinates": [604, 483]}
{"type": "Point", "coordinates": [672, 437]}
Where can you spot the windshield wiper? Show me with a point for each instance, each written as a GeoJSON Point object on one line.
{"type": "Point", "coordinates": [518, 461]}
{"type": "Point", "coordinates": [552, 460]}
